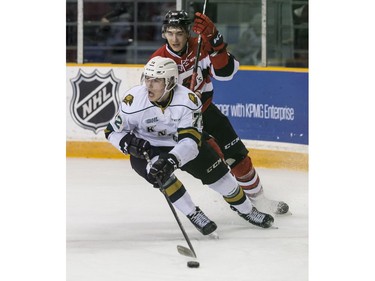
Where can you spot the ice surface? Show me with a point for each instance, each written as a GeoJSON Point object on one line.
{"type": "Point", "coordinates": [120, 228]}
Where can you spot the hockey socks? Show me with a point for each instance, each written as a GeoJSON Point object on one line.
{"type": "Point", "coordinates": [249, 181]}
{"type": "Point", "coordinates": [178, 195]}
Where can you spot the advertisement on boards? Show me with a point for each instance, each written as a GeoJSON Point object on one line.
{"type": "Point", "coordinates": [266, 105]}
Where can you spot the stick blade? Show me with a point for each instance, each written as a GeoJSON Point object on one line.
{"type": "Point", "coordinates": [185, 251]}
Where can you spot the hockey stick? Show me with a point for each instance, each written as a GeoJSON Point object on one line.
{"type": "Point", "coordinates": [181, 249]}
{"type": "Point", "coordinates": [195, 69]}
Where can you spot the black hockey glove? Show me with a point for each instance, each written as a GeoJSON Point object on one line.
{"type": "Point", "coordinates": [134, 146]}
{"type": "Point", "coordinates": [162, 169]}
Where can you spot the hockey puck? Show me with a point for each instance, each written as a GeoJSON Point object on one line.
{"type": "Point", "coordinates": [193, 264]}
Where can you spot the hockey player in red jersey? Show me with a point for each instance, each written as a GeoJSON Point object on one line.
{"type": "Point", "coordinates": [163, 119]}
{"type": "Point", "coordinates": [214, 62]}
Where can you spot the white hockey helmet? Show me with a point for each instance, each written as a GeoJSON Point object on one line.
{"type": "Point", "coordinates": [159, 67]}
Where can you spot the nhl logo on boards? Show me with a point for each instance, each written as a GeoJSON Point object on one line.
{"type": "Point", "coordinates": [95, 99]}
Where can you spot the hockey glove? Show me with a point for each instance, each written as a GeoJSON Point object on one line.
{"type": "Point", "coordinates": [212, 39]}
{"type": "Point", "coordinates": [134, 146]}
{"type": "Point", "coordinates": [162, 169]}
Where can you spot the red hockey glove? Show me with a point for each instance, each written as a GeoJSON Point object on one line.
{"type": "Point", "coordinates": [213, 40]}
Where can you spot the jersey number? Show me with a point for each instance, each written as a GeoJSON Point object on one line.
{"type": "Point", "coordinates": [197, 120]}
{"type": "Point", "coordinates": [118, 122]}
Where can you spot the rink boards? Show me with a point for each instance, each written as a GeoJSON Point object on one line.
{"type": "Point", "coordinates": [267, 106]}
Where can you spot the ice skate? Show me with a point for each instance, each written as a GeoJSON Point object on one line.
{"type": "Point", "coordinates": [202, 222]}
{"type": "Point", "coordinates": [256, 218]}
{"type": "Point", "coordinates": [263, 203]}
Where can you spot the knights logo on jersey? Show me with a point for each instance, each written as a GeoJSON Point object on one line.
{"type": "Point", "coordinates": [193, 98]}
{"type": "Point", "coordinates": [128, 99]}
{"type": "Point", "coordinates": [95, 99]}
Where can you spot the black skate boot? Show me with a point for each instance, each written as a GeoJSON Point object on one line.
{"type": "Point", "coordinates": [256, 218]}
{"type": "Point", "coordinates": [202, 222]}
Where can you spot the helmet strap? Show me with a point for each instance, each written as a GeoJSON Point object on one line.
{"type": "Point", "coordinates": [166, 91]}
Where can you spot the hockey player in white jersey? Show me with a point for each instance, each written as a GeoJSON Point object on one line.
{"type": "Point", "coordinates": [164, 119]}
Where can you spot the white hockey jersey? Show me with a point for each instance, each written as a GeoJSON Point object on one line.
{"type": "Point", "coordinates": [178, 124]}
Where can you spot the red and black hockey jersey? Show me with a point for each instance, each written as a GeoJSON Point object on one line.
{"type": "Point", "coordinates": [221, 67]}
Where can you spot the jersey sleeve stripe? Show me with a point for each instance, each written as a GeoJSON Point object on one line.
{"type": "Point", "coordinates": [190, 133]}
